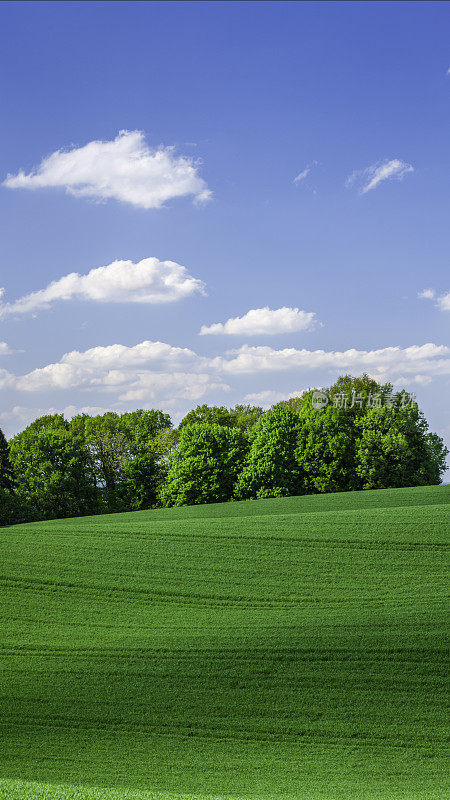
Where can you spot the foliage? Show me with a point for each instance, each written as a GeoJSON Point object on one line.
{"type": "Point", "coordinates": [395, 449]}
{"type": "Point", "coordinates": [6, 471]}
{"type": "Point", "coordinates": [271, 469]}
{"type": "Point", "coordinates": [53, 468]}
{"type": "Point", "coordinates": [326, 449]}
{"type": "Point", "coordinates": [15, 509]}
{"type": "Point", "coordinates": [361, 387]}
{"type": "Point", "coordinates": [352, 445]}
{"type": "Point", "coordinates": [125, 463]}
{"type": "Point", "coordinates": [367, 437]}
{"type": "Point", "coordinates": [241, 416]}
{"type": "Point", "coordinates": [205, 464]}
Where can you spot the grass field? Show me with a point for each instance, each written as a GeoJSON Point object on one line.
{"type": "Point", "coordinates": [268, 650]}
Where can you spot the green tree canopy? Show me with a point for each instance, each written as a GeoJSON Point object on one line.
{"type": "Point", "coordinates": [271, 468]}
{"type": "Point", "coordinates": [126, 464]}
{"type": "Point", "coordinates": [241, 416]}
{"type": "Point", "coordinates": [368, 436]}
{"type": "Point", "coordinates": [6, 470]}
{"type": "Point", "coordinates": [53, 468]}
{"type": "Point", "coordinates": [204, 465]}
{"type": "Point", "coordinates": [394, 449]}
{"type": "Point", "coordinates": [325, 451]}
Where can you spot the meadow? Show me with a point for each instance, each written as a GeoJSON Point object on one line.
{"type": "Point", "coordinates": [290, 649]}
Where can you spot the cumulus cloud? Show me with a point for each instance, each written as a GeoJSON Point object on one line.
{"type": "Point", "coordinates": [426, 294]}
{"type": "Point", "coordinates": [442, 302]}
{"type": "Point", "coordinates": [122, 368]}
{"type": "Point", "coordinates": [262, 322]}
{"type": "Point", "coordinates": [151, 373]}
{"type": "Point", "coordinates": [147, 281]}
{"type": "Point", "coordinates": [124, 169]}
{"type": "Point", "coordinates": [385, 363]}
{"type": "Point", "coordinates": [175, 385]}
{"type": "Point", "coordinates": [146, 371]}
{"type": "Point", "coordinates": [371, 177]}
{"type": "Point", "coordinates": [4, 349]}
{"type": "Point", "coordinates": [111, 366]}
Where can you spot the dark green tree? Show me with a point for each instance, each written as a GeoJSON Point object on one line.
{"type": "Point", "coordinates": [53, 469]}
{"type": "Point", "coordinates": [6, 470]}
{"type": "Point", "coordinates": [394, 449]}
{"type": "Point", "coordinates": [326, 446]}
{"type": "Point", "coordinates": [109, 447]}
{"type": "Point", "coordinates": [367, 437]}
{"type": "Point", "coordinates": [271, 468]}
{"type": "Point", "coordinates": [204, 465]}
{"type": "Point", "coordinates": [126, 463]}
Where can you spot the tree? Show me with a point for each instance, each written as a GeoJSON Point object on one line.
{"type": "Point", "coordinates": [204, 465]}
{"type": "Point", "coordinates": [241, 416]}
{"type": "Point", "coordinates": [245, 417]}
{"type": "Point", "coordinates": [144, 470]}
{"type": "Point", "coordinates": [6, 471]}
{"type": "Point", "coordinates": [325, 450]}
{"type": "Point", "coordinates": [109, 447]}
{"type": "Point", "coordinates": [53, 469]}
{"type": "Point", "coordinates": [271, 468]}
{"type": "Point", "coordinates": [126, 464]}
{"type": "Point", "coordinates": [366, 438]}
{"type": "Point", "coordinates": [15, 510]}
{"type": "Point", "coordinates": [395, 449]}
{"type": "Point", "coordinates": [357, 390]}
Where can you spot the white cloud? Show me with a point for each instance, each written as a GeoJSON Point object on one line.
{"type": "Point", "coordinates": [147, 281]}
{"type": "Point", "coordinates": [110, 366]}
{"type": "Point", "coordinates": [124, 169]}
{"type": "Point", "coordinates": [150, 367]}
{"type": "Point", "coordinates": [420, 380]}
{"type": "Point", "coordinates": [269, 397]}
{"type": "Point", "coordinates": [371, 177]}
{"type": "Point", "coordinates": [158, 374]}
{"type": "Point", "coordinates": [443, 302]}
{"type": "Point", "coordinates": [305, 172]}
{"type": "Point", "coordinates": [426, 294]}
{"type": "Point", "coordinates": [385, 363]}
{"type": "Point", "coordinates": [173, 386]}
{"type": "Point", "coordinates": [6, 379]}
{"type": "Point", "coordinates": [145, 372]}
{"type": "Point", "coordinates": [262, 322]}
{"type": "Point", "coordinates": [4, 348]}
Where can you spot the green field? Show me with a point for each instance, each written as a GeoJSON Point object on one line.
{"type": "Point", "coordinates": [266, 650]}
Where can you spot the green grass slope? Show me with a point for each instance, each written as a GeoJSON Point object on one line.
{"type": "Point", "coordinates": [270, 650]}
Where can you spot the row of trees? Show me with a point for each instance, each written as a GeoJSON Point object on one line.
{"type": "Point", "coordinates": [117, 462]}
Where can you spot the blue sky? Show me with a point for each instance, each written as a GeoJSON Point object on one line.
{"type": "Point", "coordinates": [248, 96]}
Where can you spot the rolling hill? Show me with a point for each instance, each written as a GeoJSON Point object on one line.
{"type": "Point", "coordinates": [289, 649]}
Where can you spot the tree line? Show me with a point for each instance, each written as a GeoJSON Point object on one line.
{"type": "Point", "coordinates": [366, 437]}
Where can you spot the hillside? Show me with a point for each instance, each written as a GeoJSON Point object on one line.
{"type": "Point", "coordinates": [268, 650]}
